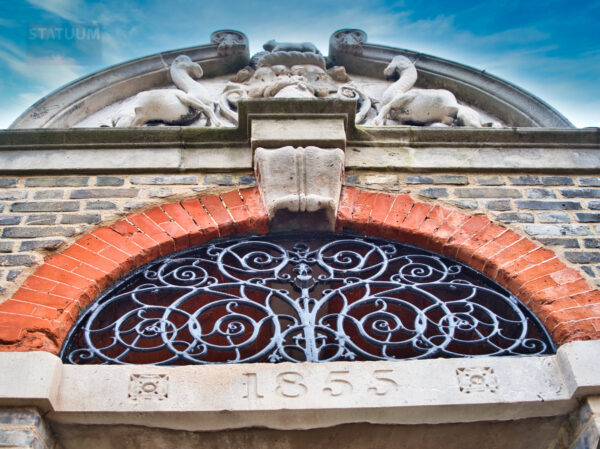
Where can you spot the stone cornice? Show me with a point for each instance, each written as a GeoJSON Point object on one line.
{"type": "Point", "coordinates": [180, 149]}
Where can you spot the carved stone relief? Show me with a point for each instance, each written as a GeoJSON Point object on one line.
{"type": "Point", "coordinates": [151, 387]}
{"type": "Point", "coordinates": [477, 379]}
{"type": "Point", "coordinates": [229, 42]}
{"type": "Point", "coordinates": [290, 70]}
{"type": "Point", "coordinates": [348, 41]}
{"type": "Point", "coordinates": [179, 106]}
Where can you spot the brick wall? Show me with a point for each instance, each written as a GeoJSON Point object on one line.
{"type": "Point", "coordinates": [65, 239]}
{"type": "Point", "coordinates": [39, 215]}
{"type": "Point", "coordinates": [560, 212]}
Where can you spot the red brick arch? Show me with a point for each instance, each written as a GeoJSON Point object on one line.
{"type": "Point", "coordinates": [40, 313]}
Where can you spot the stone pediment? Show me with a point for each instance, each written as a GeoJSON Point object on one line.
{"type": "Point", "coordinates": [203, 86]}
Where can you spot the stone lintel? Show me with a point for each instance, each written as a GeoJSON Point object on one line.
{"type": "Point", "coordinates": [29, 379]}
{"type": "Point", "coordinates": [306, 395]}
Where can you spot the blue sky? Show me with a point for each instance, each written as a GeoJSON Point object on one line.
{"type": "Point", "coordinates": [550, 48]}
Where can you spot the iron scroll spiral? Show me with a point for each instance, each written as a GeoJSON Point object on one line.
{"type": "Point", "coordinates": [297, 298]}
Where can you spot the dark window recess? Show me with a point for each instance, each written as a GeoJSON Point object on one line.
{"type": "Point", "coordinates": [302, 297]}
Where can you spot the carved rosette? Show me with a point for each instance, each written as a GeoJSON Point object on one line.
{"type": "Point", "coordinates": [300, 186]}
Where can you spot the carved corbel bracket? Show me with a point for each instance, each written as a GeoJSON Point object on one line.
{"type": "Point", "coordinates": [298, 148]}
{"type": "Point", "coordinates": [300, 186]}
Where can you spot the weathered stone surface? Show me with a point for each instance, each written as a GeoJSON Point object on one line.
{"type": "Point", "coordinates": [589, 182]}
{"type": "Point", "coordinates": [525, 180]}
{"type": "Point", "coordinates": [57, 181]}
{"type": "Point", "coordinates": [30, 245]}
{"type": "Point", "coordinates": [220, 180]}
{"type": "Point", "coordinates": [566, 243]}
{"type": "Point", "coordinates": [132, 205]}
{"type": "Point", "coordinates": [465, 204]}
{"type": "Point", "coordinates": [548, 205]}
{"type": "Point", "coordinates": [41, 219]}
{"type": "Point", "coordinates": [515, 217]}
{"type": "Point", "coordinates": [437, 179]}
{"type": "Point", "coordinates": [109, 181]}
{"type": "Point", "coordinates": [80, 218]}
{"type": "Point", "coordinates": [434, 192]}
{"type": "Point", "coordinates": [104, 193]}
{"type": "Point", "coordinates": [580, 193]}
{"type": "Point", "coordinates": [298, 182]}
{"type": "Point", "coordinates": [34, 231]}
{"type": "Point", "coordinates": [557, 181]}
{"type": "Point", "coordinates": [594, 205]}
{"type": "Point", "coordinates": [246, 180]}
{"type": "Point", "coordinates": [553, 217]}
{"type": "Point", "coordinates": [591, 243]}
{"type": "Point", "coordinates": [555, 230]}
{"type": "Point", "coordinates": [487, 192]}
{"type": "Point", "coordinates": [7, 220]}
{"type": "Point", "coordinates": [6, 247]}
{"type": "Point", "coordinates": [8, 195]}
{"type": "Point", "coordinates": [539, 193]}
{"type": "Point", "coordinates": [583, 256]}
{"type": "Point", "coordinates": [589, 271]}
{"type": "Point", "coordinates": [8, 182]}
{"type": "Point", "coordinates": [45, 206]}
{"type": "Point", "coordinates": [498, 205]}
{"type": "Point", "coordinates": [273, 133]}
{"type": "Point", "coordinates": [161, 192]}
{"type": "Point", "coordinates": [100, 205]}
{"type": "Point", "coordinates": [490, 180]}
{"type": "Point", "coordinates": [48, 194]}
{"type": "Point", "coordinates": [162, 180]}
{"type": "Point", "coordinates": [585, 217]}
{"type": "Point", "coordinates": [13, 274]}
{"type": "Point", "coordinates": [13, 260]}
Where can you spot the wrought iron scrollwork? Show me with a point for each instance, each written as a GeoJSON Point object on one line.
{"type": "Point", "coordinates": [296, 298]}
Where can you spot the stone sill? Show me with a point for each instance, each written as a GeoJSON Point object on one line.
{"type": "Point", "coordinates": [302, 396]}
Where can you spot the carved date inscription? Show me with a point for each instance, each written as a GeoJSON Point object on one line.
{"type": "Point", "coordinates": [337, 383]}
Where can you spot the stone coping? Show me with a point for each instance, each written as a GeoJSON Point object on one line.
{"type": "Point", "coordinates": [306, 395]}
{"type": "Point", "coordinates": [180, 149]}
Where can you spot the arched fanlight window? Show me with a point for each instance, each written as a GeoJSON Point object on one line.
{"type": "Point", "coordinates": [302, 297]}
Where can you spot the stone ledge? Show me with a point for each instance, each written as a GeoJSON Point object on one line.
{"type": "Point", "coordinates": [186, 149]}
{"type": "Point", "coordinates": [302, 396]}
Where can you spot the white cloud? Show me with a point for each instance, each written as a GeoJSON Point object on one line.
{"type": "Point", "coordinates": [49, 72]}
{"type": "Point", "coordinates": [62, 8]}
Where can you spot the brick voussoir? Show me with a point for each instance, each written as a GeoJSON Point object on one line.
{"type": "Point", "coordinates": [381, 208]}
{"type": "Point", "coordinates": [464, 233]}
{"type": "Point", "coordinates": [484, 236]}
{"type": "Point", "coordinates": [216, 209]}
{"type": "Point", "coordinates": [237, 209]}
{"type": "Point", "coordinates": [179, 215]}
{"type": "Point", "coordinates": [256, 209]}
{"type": "Point", "coordinates": [205, 222]}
